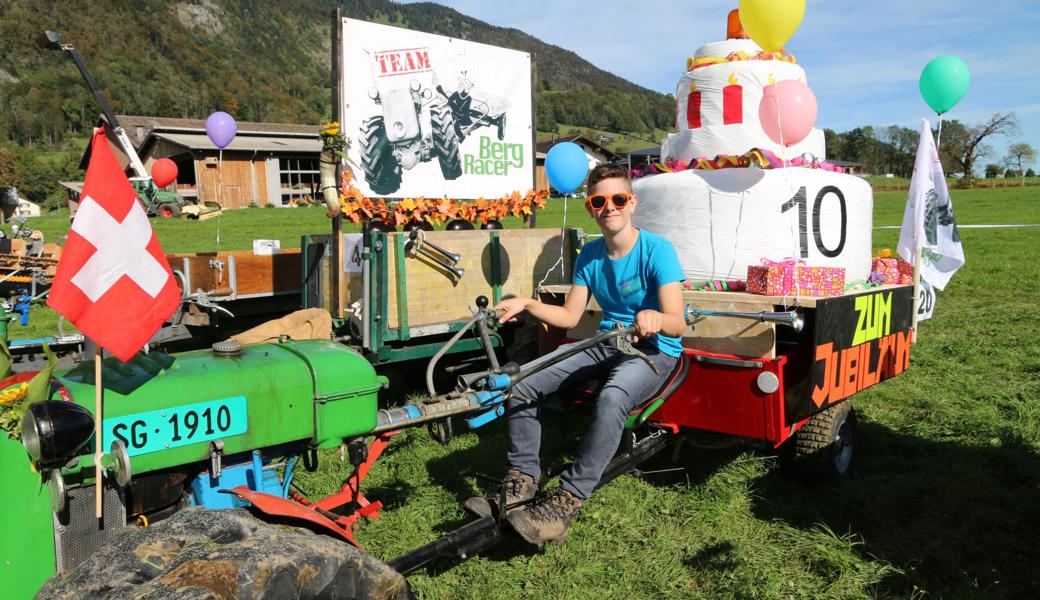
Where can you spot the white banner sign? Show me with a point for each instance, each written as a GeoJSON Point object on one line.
{"type": "Point", "coordinates": [434, 116]}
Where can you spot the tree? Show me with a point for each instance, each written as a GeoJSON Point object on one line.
{"type": "Point", "coordinates": [1018, 156]}
{"type": "Point", "coordinates": [992, 171]}
{"type": "Point", "coordinates": [964, 146]}
{"type": "Point", "coordinates": [1030, 173]}
{"type": "Point", "coordinates": [9, 176]}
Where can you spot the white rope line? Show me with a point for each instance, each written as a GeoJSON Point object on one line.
{"type": "Point", "coordinates": [559, 261]}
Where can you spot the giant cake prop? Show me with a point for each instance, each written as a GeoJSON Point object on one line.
{"type": "Point", "coordinates": [726, 200]}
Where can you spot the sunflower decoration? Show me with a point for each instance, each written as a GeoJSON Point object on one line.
{"type": "Point", "coordinates": [14, 394]}
{"type": "Point", "coordinates": [333, 140]}
{"type": "Point", "coordinates": [16, 398]}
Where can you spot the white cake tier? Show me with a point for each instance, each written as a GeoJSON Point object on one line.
{"type": "Point", "coordinates": [717, 106]}
{"type": "Point", "coordinates": [722, 221]}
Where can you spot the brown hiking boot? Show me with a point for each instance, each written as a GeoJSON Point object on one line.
{"type": "Point", "coordinates": [548, 519]}
{"type": "Point", "coordinates": [519, 486]}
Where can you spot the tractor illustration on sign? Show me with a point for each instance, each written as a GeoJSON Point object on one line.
{"type": "Point", "coordinates": [472, 109]}
{"type": "Point", "coordinates": [415, 125]}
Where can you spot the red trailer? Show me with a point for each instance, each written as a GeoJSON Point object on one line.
{"type": "Point", "coordinates": [766, 383]}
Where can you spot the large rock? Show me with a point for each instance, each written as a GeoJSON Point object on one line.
{"type": "Point", "coordinates": [223, 554]}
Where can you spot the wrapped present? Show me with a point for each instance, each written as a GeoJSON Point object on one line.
{"type": "Point", "coordinates": [772, 278]}
{"type": "Point", "coordinates": [891, 270]}
{"type": "Point", "coordinates": [820, 281]}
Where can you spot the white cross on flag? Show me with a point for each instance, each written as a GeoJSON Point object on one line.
{"type": "Point", "coordinates": [113, 281]}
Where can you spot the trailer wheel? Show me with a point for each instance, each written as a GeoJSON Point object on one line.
{"type": "Point", "coordinates": [169, 211]}
{"type": "Point", "coordinates": [822, 450]}
{"type": "Point", "coordinates": [201, 553]}
{"type": "Point", "coordinates": [382, 172]}
{"type": "Point", "coordinates": [445, 140]}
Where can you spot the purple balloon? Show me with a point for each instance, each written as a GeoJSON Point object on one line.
{"type": "Point", "coordinates": [221, 129]}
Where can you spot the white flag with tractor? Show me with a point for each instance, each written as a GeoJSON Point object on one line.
{"type": "Point", "coordinates": [929, 238]}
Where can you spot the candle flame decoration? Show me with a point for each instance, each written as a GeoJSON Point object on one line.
{"type": "Point", "coordinates": [772, 81]}
{"type": "Point", "coordinates": [733, 79]}
{"type": "Point", "coordinates": [693, 86]}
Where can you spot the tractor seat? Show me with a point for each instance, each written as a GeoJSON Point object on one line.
{"type": "Point", "coordinates": [584, 396]}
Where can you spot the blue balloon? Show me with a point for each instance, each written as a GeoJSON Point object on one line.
{"type": "Point", "coordinates": [566, 166]}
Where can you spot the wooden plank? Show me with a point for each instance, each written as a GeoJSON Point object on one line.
{"type": "Point", "coordinates": [728, 335]}
{"type": "Point", "coordinates": [275, 273]}
{"type": "Point", "coordinates": [435, 297]}
{"type": "Point", "coordinates": [228, 181]}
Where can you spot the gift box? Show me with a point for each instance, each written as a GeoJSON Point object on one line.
{"type": "Point", "coordinates": [891, 270]}
{"type": "Point", "coordinates": [772, 278]}
{"type": "Point", "coordinates": [820, 281]}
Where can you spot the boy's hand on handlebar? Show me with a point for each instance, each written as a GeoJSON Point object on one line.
{"type": "Point", "coordinates": [509, 309]}
{"type": "Point", "coordinates": [648, 323]}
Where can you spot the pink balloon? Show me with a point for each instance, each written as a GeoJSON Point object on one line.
{"type": "Point", "coordinates": [164, 172]}
{"type": "Point", "coordinates": [787, 111]}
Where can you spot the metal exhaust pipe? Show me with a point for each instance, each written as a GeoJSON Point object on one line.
{"type": "Point", "coordinates": [791, 318]}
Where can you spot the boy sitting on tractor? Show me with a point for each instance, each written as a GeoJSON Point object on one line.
{"type": "Point", "coordinates": [636, 278]}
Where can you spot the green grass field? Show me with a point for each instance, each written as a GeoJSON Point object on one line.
{"type": "Point", "coordinates": [944, 503]}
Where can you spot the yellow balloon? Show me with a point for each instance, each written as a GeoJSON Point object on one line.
{"type": "Point", "coordinates": [770, 23]}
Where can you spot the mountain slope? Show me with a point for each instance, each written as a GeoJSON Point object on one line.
{"type": "Point", "coordinates": [255, 59]}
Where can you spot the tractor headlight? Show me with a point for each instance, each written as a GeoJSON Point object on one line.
{"type": "Point", "coordinates": [55, 430]}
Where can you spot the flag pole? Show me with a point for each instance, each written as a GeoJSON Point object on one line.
{"type": "Point", "coordinates": [917, 294]}
{"type": "Point", "coordinates": [97, 430]}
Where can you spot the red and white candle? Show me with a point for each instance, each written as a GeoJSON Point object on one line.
{"type": "Point", "coordinates": [693, 107]}
{"type": "Point", "coordinates": [732, 102]}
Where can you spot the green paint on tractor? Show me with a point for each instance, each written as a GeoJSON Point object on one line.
{"type": "Point", "coordinates": [312, 393]}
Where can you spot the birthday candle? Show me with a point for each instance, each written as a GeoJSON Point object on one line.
{"type": "Point", "coordinates": [693, 107]}
{"type": "Point", "coordinates": [732, 102]}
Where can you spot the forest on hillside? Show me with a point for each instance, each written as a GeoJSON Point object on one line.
{"type": "Point", "coordinates": [255, 60]}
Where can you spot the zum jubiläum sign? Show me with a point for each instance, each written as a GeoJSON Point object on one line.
{"type": "Point", "coordinates": [860, 341]}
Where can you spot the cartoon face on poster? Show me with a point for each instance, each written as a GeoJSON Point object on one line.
{"type": "Point", "coordinates": [434, 116]}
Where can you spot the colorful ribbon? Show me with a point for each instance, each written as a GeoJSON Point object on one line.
{"type": "Point", "coordinates": [860, 285]}
{"type": "Point", "coordinates": [707, 61]}
{"type": "Point", "coordinates": [787, 264]}
{"type": "Point", "coordinates": [756, 157]}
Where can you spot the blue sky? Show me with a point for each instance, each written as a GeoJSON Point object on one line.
{"type": "Point", "coordinates": [862, 58]}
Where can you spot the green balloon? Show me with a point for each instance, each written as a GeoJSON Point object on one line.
{"type": "Point", "coordinates": [944, 82]}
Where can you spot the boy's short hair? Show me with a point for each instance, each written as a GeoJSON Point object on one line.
{"type": "Point", "coordinates": [608, 171]}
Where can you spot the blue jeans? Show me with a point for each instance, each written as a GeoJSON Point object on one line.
{"type": "Point", "coordinates": [627, 382]}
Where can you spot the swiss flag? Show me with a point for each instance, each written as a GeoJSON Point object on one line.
{"type": "Point", "coordinates": [113, 281]}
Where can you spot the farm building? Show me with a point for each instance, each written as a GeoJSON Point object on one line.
{"type": "Point", "coordinates": [639, 157]}
{"type": "Point", "coordinates": [266, 164]}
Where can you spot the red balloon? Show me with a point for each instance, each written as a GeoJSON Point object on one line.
{"type": "Point", "coordinates": [164, 172]}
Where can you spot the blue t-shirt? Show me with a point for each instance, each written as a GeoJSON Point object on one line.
{"type": "Point", "coordinates": [628, 285]}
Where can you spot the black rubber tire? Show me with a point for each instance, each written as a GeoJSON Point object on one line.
{"type": "Point", "coordinates": [822, 450]}
{"type": "Point", "coordinates": [201, 553]}
{"type": "Point", "coordinates": [169, 211]}
{"type": "Point", "coordinates": [445, 141]}
{"type": "Point", "coordinates": [382, 172]}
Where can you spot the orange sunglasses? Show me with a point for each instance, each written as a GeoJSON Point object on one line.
{"type": "Point", "coordinates": [599, 201]}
